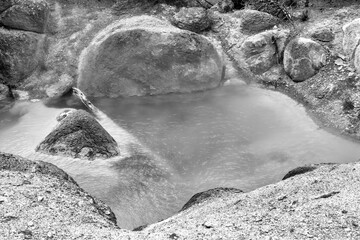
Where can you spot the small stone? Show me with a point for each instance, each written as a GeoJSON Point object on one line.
{"type": "Point", "coordinates": [40, 198]}
{"type": "Point", "coordinates": [107, 212]}
{"type": "Point", "coordinates": [30, 224]}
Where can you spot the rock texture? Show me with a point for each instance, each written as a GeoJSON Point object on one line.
{"type": "Point", "coordinates": [351, 37]}
{"type": "Point", "coordinates": [27, 15]}
{"type": "Point", "coordinates": [40, 201]}
{"type": "Point", "coordinates": [253, 21]}
{"type": "Point", "coordinates": [147, 56]}
{"type": "Point", "coordinates": [208, 195]}
{"type": "Point", "coordinates": [193, 19]}
{"type": "Point", "coordinates": [20, 54]}
{"type": "Point", "coordinates": [262, 51]}
{"type": "Point", "coordinates": [79, 135]}
{"type": "Point", "coordinates": [323, 34]}
{"type": "Point", "coordinates": [321, 204]}
{"type": "Point", "coordinates": [303, 58]}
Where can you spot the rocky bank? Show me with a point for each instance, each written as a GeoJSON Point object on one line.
{"type": "Point", "coordinates": [306, 49]}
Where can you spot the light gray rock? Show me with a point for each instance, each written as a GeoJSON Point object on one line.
{"type": "Point", "coordinates": [28, 15]}
{"type": "Point", "coordinates": [147, 56]}
{"type": "Point", "coordinates": [262, 51]}
{"type": "Point", "coordinates": [351, 37]}
{"type": "Point", "coordinates": [61, 87]}
{"type": "Point", "coordinates": [303, 58]}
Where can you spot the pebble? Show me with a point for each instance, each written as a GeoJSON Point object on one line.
{"type": "Point", "coordinates": [30, 224]}
{"type": "Point", "coordinates": [40, 198]}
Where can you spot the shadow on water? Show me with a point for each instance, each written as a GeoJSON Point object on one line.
{"type": "Point", "coordinates": [235, 136]}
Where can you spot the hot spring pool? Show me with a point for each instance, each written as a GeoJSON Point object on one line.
{"type": "Point", "coordinates": [235, 136]}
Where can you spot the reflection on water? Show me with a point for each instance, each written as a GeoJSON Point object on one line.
{"type": "Point", "coordinates": [236, 136]}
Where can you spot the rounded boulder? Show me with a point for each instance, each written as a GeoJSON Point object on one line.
{"type": "Point", "coordinates": [303, 58]}
{"type": "Point", "coordinates": [147, 56]}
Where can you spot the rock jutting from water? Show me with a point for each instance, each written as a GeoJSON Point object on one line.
{"type": "Point", "coordinates": [147, 56]}
{"type": "Point", "coordinates": [79, 135]}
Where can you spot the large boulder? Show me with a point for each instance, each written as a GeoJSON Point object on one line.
{"type": "Point", "coordinates": [303, 58]}
{"type": "Point", "coordinates": [253, 21]}
{"type": "Point", "coordinates": [351, 37]}
{"type": "Point", "coordinates": [194, 19]}
{"type": "Point", "coordinates": [27, 15]}
{"type": "Point", "coordinates": [146, 56]}
{"type": "Point", "coordinates": [79, 135]}
{"type": "Point", "coordinates": [262, 51]}
{"type": "Point", "coordinates": [20, 54]}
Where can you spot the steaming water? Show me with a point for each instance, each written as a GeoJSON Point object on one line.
{"type": "Point", "coordinates": [236, 136]}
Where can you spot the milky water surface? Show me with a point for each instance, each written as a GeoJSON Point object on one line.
{"type": "Point", "coordinates": [235, 136]}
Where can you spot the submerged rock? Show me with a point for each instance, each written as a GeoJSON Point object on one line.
{"type": "Point", "coordinates": [147, 56]}
{"type": "Point", "coordinates": [303, 58]}
{"type": "Point", "coordinates": [79, 135]}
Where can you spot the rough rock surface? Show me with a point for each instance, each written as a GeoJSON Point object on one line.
{"type": "Point", "coordinates": [253, 21]}
{"type": "Point", "coordinates": [79, 135]}
{"type": "Point", "coordinates": [262, 51]}
{"type": "Point", "coordinates": [351, 37]}
{"type": "Point", "coordinates": [321, 204]}
{"type": "Point", "coordinates": [193, 19]}
{"type": "Point", "coordinates": [62, 86]}
{"type": "Point", "coordinates": [5, 4]}
{"type": "Point", "coordinates": [20, 53]}
{"type": "Point", "coordinates": [40, 201]}
{"type": "Point", "coordinates": [303, 58]}
{"type": "Point", "coordinates": [147, 56]}
{"type": "Point", "coordinates": [27, 15]}
{"type": "Point", "coordinates": [324, 34]}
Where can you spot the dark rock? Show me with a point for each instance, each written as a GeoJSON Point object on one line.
{"type": "Point", "coordinates": [304, 169]}
{"type": "Point", "coordinates": [299, 170]}
{"type": "Point", "coordinates": [20, 54]}
{"type": "Point", "coordinates": [5, 4]}
{"type": "Point", "coordinates": [253, 21]}
{"type": "Point", "coordinates": [303, 58]}
{"type": "Point", "coordinates": [147, 56]}
{"type": "Point", "coordinates": [6, 97]}
{"type": "Point", "coordinates": [193, 19]}
{"type": "Point", "coordinates": [212, 193]}
{"type": "Point", "coordinates": [27, 15]}
{"type": "Point", "coordinates": [323, 34]}
{"type": "Point", "coordinates": [79, 135]}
